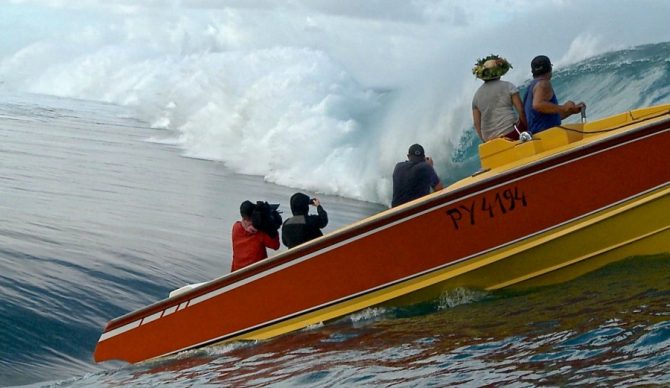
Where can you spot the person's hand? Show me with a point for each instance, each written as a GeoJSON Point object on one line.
{"type": "Point", "coordinates": [569, 107]}
{"type": "Point", "coordinates": [315, 202]}
{"type": "Point", "coordinates": [429, 160]}
{"type": "Point", "coordinates": [581, 106]}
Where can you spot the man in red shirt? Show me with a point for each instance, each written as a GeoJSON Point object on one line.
{"type": "Point", "coordinates": [249, 244]}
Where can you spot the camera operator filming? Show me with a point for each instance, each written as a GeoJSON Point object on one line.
{"type": "Point", "coordinates": [303, 227]}
{"type": "Point", "coordinates": [256, 231]}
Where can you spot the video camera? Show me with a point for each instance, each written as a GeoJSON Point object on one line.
{"type": "Point", "coordinates": [266, 218]}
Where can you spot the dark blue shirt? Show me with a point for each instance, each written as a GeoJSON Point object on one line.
{"type": "Point", "coordinates": [412, 180]}
{"type": "Point", "coordinates": [538, 121]}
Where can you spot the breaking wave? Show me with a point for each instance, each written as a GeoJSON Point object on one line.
{"type": "Point", "coordinates": [323, 98]}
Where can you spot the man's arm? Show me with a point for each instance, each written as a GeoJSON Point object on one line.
{"type": "Point", "coordinates": [435, 182]}
{"type": "Point", "coordinates": [518, 106]}
{"type": "Point", "coordinates": [271, 242]}
{"type": "Point", "coordinates": [320, 220]}
{"type": "Point", "coordinates": [542, 94]}
{"type": "Point", "coordinates": [323, 216]}
{"type": "Point", "coordinates": [477, 121]}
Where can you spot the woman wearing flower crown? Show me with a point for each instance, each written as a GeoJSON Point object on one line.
{"type": "Point", "coordinates": [495, 102]}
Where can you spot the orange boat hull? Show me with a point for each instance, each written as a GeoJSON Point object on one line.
{"type": "Point", "coordinates": [426, 235]}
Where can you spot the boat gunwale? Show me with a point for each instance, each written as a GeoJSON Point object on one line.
{"type": "Point", "coordinates": [391, 215]}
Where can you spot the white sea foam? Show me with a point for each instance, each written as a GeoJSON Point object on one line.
{"type": "Point", "coordinates": [367, 314]}
{"type": "Point", "coordinates": [459, 296]}
{"type": "Point", "coordinates": [317, 95]}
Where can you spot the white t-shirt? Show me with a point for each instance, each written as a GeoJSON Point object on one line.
{"type": "Point", "coordinates": [494, 101]}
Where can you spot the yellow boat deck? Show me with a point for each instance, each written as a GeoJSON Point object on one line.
{"type": "Point", "coordinates": [500, 154]}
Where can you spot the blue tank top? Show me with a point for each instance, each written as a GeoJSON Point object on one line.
{"type": "Point", "coordinates": [537, 121]}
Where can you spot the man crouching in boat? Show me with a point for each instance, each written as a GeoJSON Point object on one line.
{"type": "Point", "coordinates": [414, 177]}
{"type": "Point", "coordinates": [250, 243]}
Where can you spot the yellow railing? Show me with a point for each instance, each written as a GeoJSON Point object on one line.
{"type": "Point", "coordinates": [499, 152]}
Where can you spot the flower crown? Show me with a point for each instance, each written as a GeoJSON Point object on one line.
{"type": "Point", "coordinates": [491, 67]}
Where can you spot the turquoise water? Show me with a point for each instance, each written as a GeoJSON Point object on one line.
{"type": "Point", "coordinates": [101, 216]}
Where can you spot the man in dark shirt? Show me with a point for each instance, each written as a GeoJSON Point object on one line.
{"type": "Point", "coordinates": [540, 103]}
{"type": "Point", "coordinates": [303, 227]}
{"type": "Point", "coordinates": [414, 177]}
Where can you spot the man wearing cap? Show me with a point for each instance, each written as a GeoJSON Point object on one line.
{"type": "Point", "coordinates": [249, 243]}
{"type": "Point", "coordinates": [414, 177]}
{"type": "Point", "coordinates": [540, 103]}
{"type": "Point", "coordinates": [303, 227]}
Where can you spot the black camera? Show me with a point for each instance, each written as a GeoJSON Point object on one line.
{"type": "Point", "coordinates": [266, 218]}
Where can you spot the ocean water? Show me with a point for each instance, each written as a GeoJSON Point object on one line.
{"type": "Point", "coordinates": [130, 134]}
{"type": "Point", "coordinates": [98, 220]}
{"type": "Point", "coordinates": [102, 215]}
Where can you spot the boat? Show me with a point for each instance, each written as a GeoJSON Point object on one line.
{"type": "Point", "coordinates": [572, 199]}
